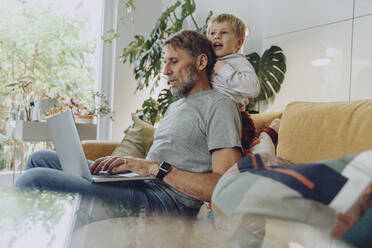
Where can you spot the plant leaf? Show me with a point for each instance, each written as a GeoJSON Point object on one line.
{"type": "Point", "coordinates": [270, 69]}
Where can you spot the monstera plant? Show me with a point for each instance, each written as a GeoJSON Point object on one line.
{"type": "Point", "coordinates": [270, 70]}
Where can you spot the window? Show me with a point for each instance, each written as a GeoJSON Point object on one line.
{"type": "Point", "coordinates": [47, 47]}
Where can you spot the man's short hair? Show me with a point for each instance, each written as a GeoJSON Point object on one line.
{"type": "Point", "coordinates": [195, 44]}
{"type": "Point", "coordinates": [236, 24]}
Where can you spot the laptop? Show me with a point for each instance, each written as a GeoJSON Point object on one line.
{"type": "Point", "coordinates": [70, 152]}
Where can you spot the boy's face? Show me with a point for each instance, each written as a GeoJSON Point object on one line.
{"type": "Point", "coordinates": [224, 39]}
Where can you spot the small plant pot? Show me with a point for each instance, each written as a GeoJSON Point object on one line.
{"type": "Point", "coordinates": [84, 119]}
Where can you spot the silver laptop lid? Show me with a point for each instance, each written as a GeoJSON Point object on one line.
{"type": "Point", "coordinates": [67, 144]}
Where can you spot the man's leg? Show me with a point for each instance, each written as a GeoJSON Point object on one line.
{"type": "Point", "coordinates": [44, 159]}
{"type": "Point", "coordinates": [44, 172]}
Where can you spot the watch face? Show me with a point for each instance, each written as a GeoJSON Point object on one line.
{"type": "Point", "coordinates": [165, 166]}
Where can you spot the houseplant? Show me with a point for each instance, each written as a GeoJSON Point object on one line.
{"type": "Point", "coordinates": [270, 70]}
{"type": "Point", "coordinates": [84, 109]}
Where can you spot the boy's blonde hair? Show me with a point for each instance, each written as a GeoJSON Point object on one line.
{"type": "Point", "coordinates": [237, 25]}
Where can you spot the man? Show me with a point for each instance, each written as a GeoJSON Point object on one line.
{"type": "Point", "coordinates": [195, 143]}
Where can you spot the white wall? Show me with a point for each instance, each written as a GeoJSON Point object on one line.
{"type": "Point", "coordinates": [327, 48]}
{"type": "Point", "coordinates": [125, 101]}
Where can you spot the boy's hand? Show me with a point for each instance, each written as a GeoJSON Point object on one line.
{"type": "Point", "coordinates": [218, 65]}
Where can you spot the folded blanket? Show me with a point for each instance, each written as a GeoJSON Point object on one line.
{"type": "Point", "coordinates": [330, 195]}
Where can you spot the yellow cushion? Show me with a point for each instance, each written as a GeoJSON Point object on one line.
{"type": "Point", "coordinates": [94, 149]}
{"type": "Point", "coordinates": [312, 131]}
{"type": "Point", "coordinates": [137, 141]}
{"type": "Point", "coordinates": [263, 120]}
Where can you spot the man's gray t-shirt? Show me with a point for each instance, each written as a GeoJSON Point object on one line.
{"type": "Point", "coordinates": [191, 129]}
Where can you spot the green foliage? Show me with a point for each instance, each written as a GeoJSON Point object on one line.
{"type": "Point", "coordinates": [203, 29]}
{"type": "Point", "coordinates": [36, 43]}
{"type": "Point", "coordinates": [21, 212]}
{"type": "Point", "coordinates": [153, 110]}
{"type": "Point", "coordinates": [150, 111]}
{"type": "Point", "coordinates": [165, 99]}
{"type": "Point", "coordinates": [100, 106]}
{"type": "Point", "coordinates": [127, 6]}
{"type": "Point", "coordinates": [112, 36]}
{"type": "Point", "coordinates": [270, 69]}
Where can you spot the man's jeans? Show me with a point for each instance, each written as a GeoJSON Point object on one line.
{"type": "Point", "coordinates": [44, 172]}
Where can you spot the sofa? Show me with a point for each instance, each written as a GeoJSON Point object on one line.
{"type": "Point", "coordinates": [309, 132]}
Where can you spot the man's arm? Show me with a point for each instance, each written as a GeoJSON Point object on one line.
{"type": "Point", "coordinates": [197, 185]}
{"type": "Point", "coordinates": [201, 185]}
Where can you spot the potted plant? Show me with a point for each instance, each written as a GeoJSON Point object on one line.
{"type": "Point", "coordinates": [84, 110]}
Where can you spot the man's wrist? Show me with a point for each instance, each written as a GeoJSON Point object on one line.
{"type": "Point", "coordinates": [154, 168]}
{"type": "Point", "coordinates": [164, 169]}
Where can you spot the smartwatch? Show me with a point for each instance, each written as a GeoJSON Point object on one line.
{"type": "Point", "coordinates": [164, 168]}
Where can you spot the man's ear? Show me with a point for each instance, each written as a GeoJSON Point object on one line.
{"type": "Point", "coordinates": [201, 62]}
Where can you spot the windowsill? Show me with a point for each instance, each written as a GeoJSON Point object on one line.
{"type": "Point", "coordinates": [6, 178]}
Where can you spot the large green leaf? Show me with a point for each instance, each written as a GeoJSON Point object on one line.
{"type": "Point", "coordinates": [270, 69]}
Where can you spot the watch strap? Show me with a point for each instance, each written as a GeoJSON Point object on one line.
{"type": "Point", "coordinates": [164, 168]}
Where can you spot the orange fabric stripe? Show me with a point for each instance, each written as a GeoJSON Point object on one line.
{"type": "Point", "coordinates": [294, 174]}
{"type": "Point", "coordinates": [220, 213]}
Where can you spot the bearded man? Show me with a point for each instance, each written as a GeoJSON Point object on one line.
{"type": "Point", "coordinates": [196, 142]}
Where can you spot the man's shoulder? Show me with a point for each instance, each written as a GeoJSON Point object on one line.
{"type": "Point", "coordinates": [204, 102]}
{"type": "Point", "coordinates": [212, 97]}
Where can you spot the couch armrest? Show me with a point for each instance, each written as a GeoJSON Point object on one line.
{"type": "Point", "coordinates": [263, 120]}
{"type": "Point", "coordinates": [94, 149]}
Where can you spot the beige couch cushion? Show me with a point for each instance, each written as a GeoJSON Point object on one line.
{"type": "Point", "coordinates": [263, 120]}
{"type": "Point", "coordinates": [137, 141]}
{"type": "Point", "coordinates": [313, 131]}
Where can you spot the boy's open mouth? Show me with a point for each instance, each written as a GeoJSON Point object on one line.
{"type": "Point", "coordinates": [217, 45]}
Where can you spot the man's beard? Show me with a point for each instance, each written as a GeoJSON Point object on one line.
{"type": "Point", "coordinates": [186, 84]}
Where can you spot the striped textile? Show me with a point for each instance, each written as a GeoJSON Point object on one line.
{"type": "Point", "coordinates": [313, 194]}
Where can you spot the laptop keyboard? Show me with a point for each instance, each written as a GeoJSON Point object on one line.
{"type": "Point", "coordinates": [105, 174]}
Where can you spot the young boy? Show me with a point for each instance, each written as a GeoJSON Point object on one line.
{"type": "Point", "coordinates": [235, 77]}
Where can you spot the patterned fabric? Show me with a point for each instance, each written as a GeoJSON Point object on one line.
{"type": "Point", "coordinates": [316, 194]}
{"type": "Point", "coordinates": [302, 178]}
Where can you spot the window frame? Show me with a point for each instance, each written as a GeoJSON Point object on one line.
{"type": "Point", "coordinates": [107, 62]}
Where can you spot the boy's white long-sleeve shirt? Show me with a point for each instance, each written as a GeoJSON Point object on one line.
{"type": "Point", "coordinates": [237, 79]}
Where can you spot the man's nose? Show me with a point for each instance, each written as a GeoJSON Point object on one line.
{"type": "Point", "coordinates": [166, 70]}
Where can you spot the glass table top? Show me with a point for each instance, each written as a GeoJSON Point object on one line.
{"type": "Point", "coordinates": [36, 218]}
